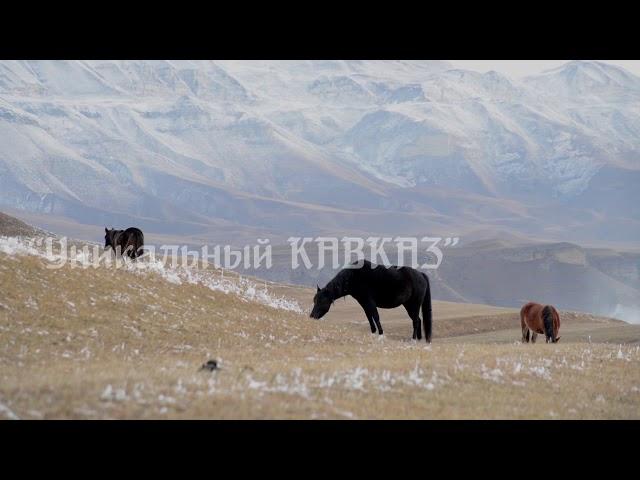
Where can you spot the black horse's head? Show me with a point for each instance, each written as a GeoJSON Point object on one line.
{"type": "Point", "coordinates": [322, 301]}
{"type": "Point", "coordinates": [108, 237]}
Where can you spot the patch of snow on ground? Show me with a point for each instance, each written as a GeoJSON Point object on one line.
{"type": "Point", "coordinates": [244, 288]}
{"type": "Point", "coordinates": [18, 246]}
{"type": "Point", "coordinates": [541, 372]}
{"type": "Point", "coordinates": [358, 378]}
{"type": "Point", "coordinates": [8, 412]}
{"type": "Point", "coordinates": [111, 394]}
{"type": "Point", "coordinates": [494, 375]}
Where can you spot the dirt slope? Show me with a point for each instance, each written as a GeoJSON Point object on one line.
{"type": "Point", "coordinates": [12, 227]}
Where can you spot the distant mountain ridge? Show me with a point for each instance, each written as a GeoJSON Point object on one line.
{"type": "Point", "coordinates": [190, 146]}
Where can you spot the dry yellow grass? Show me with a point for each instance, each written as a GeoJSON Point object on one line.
{"type": "Point", "coordinates": [78, 343]}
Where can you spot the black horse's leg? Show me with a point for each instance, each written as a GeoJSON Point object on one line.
{"type": "Point", "coordinates": [418, 304]}
{"type": "Point", "coordinates": [368, 306]}
{"type": "Point", "coordinates": [127, 251]}
{"type": "Point", "coordinates": [369, 313]}
{"type": "Point", "coordinates": [376, 319]}
{"type": "Point", "coordinates": [371, 324]}
{"type": "Point", "coordinates": [413, 309]}
{"type": "Point", "coordinates": [370, 310]}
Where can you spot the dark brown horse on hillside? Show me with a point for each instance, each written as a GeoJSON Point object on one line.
{"type": "Point", "coordinates": [539, 319]}
{"type": "Point", "coordinates": [128, 242]}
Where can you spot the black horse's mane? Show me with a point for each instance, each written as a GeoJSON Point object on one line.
{"type": "Point", "coordinates": [338, 286]}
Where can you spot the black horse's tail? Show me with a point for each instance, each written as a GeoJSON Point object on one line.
{"type": "Point", "coordinates": [141, 249]}
{"type": "Point", "coordinates": [133, 242]}
{"type": "Point", "coordinates": [547, 319]}
{"type": "Point", "coordinates": [426, 310]}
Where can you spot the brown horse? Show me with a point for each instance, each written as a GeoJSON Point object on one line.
{"type": "Point", "coordinates": [539, 319]}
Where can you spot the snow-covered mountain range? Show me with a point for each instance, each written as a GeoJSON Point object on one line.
{"type": "Point", "coordinates": [292, 147]}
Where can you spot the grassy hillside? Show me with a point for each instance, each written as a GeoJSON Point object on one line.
{"type": "Point", "coordinates": [507, 272]}
{"type": "Point", "coordinates": [121, 343]}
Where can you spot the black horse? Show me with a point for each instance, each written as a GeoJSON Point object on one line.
{"type": "Point", "coordinates": [380, 286]}
{"type": "Point", "coordinates": [125, 242]}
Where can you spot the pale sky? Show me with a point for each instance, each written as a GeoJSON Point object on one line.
{"type": "Point", "coordinates": [521, 68]}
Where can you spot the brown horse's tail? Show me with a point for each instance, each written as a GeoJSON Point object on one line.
{"type": "Point", "coordinates": [523, 323]}
{"type": "Point", "coordinates": [547, 319]}
{"type": "Point", "coordinates": [557, 323]}
{"type": "Point", "coordinates": [426, 311]}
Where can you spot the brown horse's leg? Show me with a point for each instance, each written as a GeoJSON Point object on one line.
{"type": "Point", "coordinates": [525, 335]}
{"type": "Point", "coordinates": [534, 335]}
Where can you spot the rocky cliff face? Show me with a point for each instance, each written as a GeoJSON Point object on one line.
{"type": "Point", "coordinates": [177, 144]}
